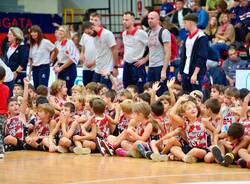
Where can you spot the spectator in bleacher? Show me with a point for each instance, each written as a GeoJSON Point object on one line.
{"type": "Point", "coordinates": [225, 35]}
{"type": "Point", "coordinates": [211, 5]}
{"type": "Point", "coordinates": [178, 18]}
{"type": "Point", "coordinates": [221, 8]}
{"type": "Point", "coordinates": [15, 56]}
{"type": "Point", "coordinates": [144, 18]}
{"type": "Point", "coordinates": [166, 9]}
{"type": "Point", "coordinates": [242, 20]}
{"type": "Point", "coordinates": [201, 13]}
{"type": "Point", "coordinates": [231, 64]}
{"type": "Point", "coordinates": [212, 28]}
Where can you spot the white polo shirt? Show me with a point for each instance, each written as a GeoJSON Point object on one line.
{"type": "Point", "coordinates": [40, 55]}
{"type": "Point", "coordinates": [156, 50]}
{"type": "Point", "coordinates": [134, 44]}
{"type": "Point", "coordinates": [189, 48]}
{"type": "Point", "coordinates": [67, 50]}
{"type": "Point", "coordinates": [89, 50]}
{"type": "Point", "coordinates": [104, 40]}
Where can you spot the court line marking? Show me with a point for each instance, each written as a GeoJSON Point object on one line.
{"type": "Point", "coordinates": [159, 176]}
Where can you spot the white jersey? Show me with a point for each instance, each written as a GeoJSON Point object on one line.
{"type": "Point", "coordinates": [103, 43]}
{"type": "Point", "coordinates": [40, 54]}
{"type": "Point", "coordinates": [87, 42]}
{"type": "Point", "coordinates": [134, 44]}
{"type": "Point", "coordinates": [67, 51]}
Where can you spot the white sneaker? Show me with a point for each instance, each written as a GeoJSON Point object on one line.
{"type": "Point", "coordinates": [1, 155]}
{"type": "Point", "coordinates": [81, 151]}
{"type": "Point", "coordinates": [61, 149]}
{"type": "Point", "coordinates": [189, 159]}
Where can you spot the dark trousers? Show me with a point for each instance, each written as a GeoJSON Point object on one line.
{"type": "Point", "coordinates": [41, 75]}
{"type": "Point", "coordinates": [101, 79]}
{"type": "Point", "coordinates": [154, 74]}
{"type": "Point", "coordinates": [87, 76]}
{"type": "Point", "coordinates": [69, 75]}
{"type": "Point", "coordinates": [133, 75]}
{"type": "Point", "coordinates": [187, 87]}
{"type": "Point", "coordinates": [20, 77]}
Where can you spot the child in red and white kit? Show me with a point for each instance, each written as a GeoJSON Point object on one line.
{"type": "Point", "coordinates": [42, 128]}
{"type": "Point", "coordinates": [16, 128]}
{"type": "Point", "coordinates": [66, 128]}
{"type": "Point", "coordinates": [5, 94]}
{"type": "Point", "coordinates": [195, 129]}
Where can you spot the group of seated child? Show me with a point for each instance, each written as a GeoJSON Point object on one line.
{"type": "Point", "coordinates": [95, 119]}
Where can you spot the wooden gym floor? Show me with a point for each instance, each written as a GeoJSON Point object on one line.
{"type": "Point", "coordinates": [26, 167]}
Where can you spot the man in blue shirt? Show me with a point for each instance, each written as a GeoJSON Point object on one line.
{"type": "Point", "coordinates": [202, 15]}
{"type": "Point", "coordinates": [167, 9]}
{"type": "Point", "coordinates": [231, 64]}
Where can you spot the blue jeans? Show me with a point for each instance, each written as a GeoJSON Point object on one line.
{"type": "Point", "coordinates": [69, 75]}
{"type": "Point", "coordinates": [87, 76]}
{"type": "Point", "coordinates": [219, 48]}
{"type": "Point", "coordinates": [133, 75]}
{"type": "Point", "coordinates": [101, 79]}
{"type": "Point", "coordinates": [41, 75]}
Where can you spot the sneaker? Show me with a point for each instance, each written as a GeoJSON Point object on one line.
{"type": "Point", "coordinates": [71, 148]}
{"type": "Point", "coordinates": [99, 146]}
{"type": "Point", "coordinates": [142, 150]}
{"type": "Point", "coordinates": [148, 154]}
{"type": "Point", "coordinates": [61, 149]}
{"type": "Point", "coordinates": [52, 148]}
{"type": "Point", "coordinates": [189, 159]}
{"type": "Point", "coordinates": [2, 152]}
{"type": "Point", "coordinates": [81, 151]}
{"type": "Point", "coordinates": [108, 148]}
{"type": "Point", "coordinates": [135, 154]}
{"type": "Point", "coordinates": [242, 163]}
{"type": "Point", "coordinates": [217, 154]}
{"type": "Point", "coordinates": [163, 158]}
{"type": "Point", "coordinates": [155, 157]}
{"type": "Point", "coordinates": [121, 152]}
{"type": "Point", "coordinates": [228, 159]}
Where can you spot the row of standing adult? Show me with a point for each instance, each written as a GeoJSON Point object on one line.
{"type": "Point", "coordinates": [41, 55]}
{"type": "Point", "coordinates": [99, 54]}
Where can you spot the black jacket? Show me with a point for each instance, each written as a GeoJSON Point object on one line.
{"type": "Point", "coordinates": [175, 20]}
{"type": "Point", "coordinates": [199, 56]}
{"type": "Point", "coordinates": [19, 57]}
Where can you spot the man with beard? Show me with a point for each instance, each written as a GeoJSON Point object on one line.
{"type": "Point", "coordinates": [231, 64]}
{"type": "Point", "coordinates": [106, 57]}
{"type": "Point", "coordinates": [135, 42]}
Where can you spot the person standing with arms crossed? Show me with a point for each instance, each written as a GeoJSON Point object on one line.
{"type": "Point", "coordinates": [135, 42]}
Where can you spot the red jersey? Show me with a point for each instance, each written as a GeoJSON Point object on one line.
{"type": "Point", "coordinates": [15, 127]}
{"type": "Point", "coordinates": [123, 123]}
{"type": "Point", "coordinates": [41, 129]}
{"type": "Point", "coordinates": [102, 126]}
{"type": "Point", "coordinates": [5, 94]}
{"type": "Point", "coordinates": [196, 134]}
{"type": "Point", "coordinates": [246, 124]}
